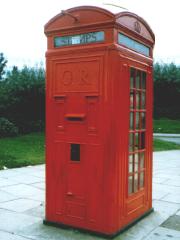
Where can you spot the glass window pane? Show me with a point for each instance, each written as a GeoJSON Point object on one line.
{"type": "Point", "coordinates": [143, 100]}
{"type": "Point", "coordinates": [83, 38]}
{"type": "Point", "coordinates": [136, 162]}
{"type": "Point", "coordinates": [135, 182]}
{"type": "Point", "coordinates": [143, 81]}
{"type": "Point", "coordinates": [142, 140]}
{"type": "Point", "coordinates": [130, 163]}
{"type": "Point", "coordinates": [137, 120]}
{"type": "Point", "coordinates": [138, 100]}
{"type": "Point", "coordinates": [130, 184]}
{"type": "Point", "coordinates": [141, 182]}
{"type": "Point", "coordinates": [131, 99]}
{"type": "Point", "coordinates": [138, 77]}
{"type": "Point", "coordinates": [133, 44]}
{"type": "Point", "coordinates": [141, 160]}
{"type": "Point", "coordinates": [143, 120]}
{"type": "Point", "coordinates": [131, 120]}
{"type": "Point", "coordinates": [132, 78]}
{"type": "Point", "coordinates": [131, 142]}
{"type": "Point", "coordinates": [136, 141]}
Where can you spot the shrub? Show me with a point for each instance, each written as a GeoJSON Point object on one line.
{"type": "Point", "coordinates": [7, 128]}
{"type": "Point", "coordinates": [166, 91]}
{"type": "Point", "coordinates": [22, 98]}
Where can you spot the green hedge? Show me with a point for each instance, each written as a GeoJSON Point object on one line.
{"type": "Point", "coordinates": [166, 91]}
{"type": "Point", "coordinates": [7, 128]}
{"type": "Point", "coordinates": [22, 98]}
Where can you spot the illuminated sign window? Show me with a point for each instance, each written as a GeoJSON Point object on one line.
{"type": "Point", "coordinates": [84, 38]}
{"type": "Point", "coordinates": [133, 44]}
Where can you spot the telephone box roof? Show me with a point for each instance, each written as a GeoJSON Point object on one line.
{"type": "Point", "coordinates": [85, 16]}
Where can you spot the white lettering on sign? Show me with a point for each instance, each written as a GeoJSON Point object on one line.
{"type": "Point", "coordinates": [76, 40]}
{"type": "Point", "coordinates": [83, 38]}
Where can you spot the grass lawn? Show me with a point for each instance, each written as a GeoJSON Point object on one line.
{"type": "Point", "coordinates": [166, 126]}
{"type": "Point", "coordinates": [22, 151]}
{"type": "Point", "coordinates": [160, 145]}
{"type": "Point", "coordinates": [29, 150]}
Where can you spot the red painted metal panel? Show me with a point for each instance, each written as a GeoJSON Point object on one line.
{"type": "Point", "coordinates": [88, 123]}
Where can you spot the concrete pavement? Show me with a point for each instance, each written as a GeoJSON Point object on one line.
{"type": "Point", "coordinates": [175, 138]}
{"type": "Point", "coordinates": [22, 205]}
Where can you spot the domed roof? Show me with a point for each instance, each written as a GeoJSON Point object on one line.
{"type": "Point", "coordinates": [85, 16]}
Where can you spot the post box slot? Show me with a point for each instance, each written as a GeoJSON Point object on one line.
{"type": "Point", "coordinates": [59, 97]}
{"type": "Point", "coordinates": [75, 152]}
{"type": "Point", "coordinates": [75, 117]}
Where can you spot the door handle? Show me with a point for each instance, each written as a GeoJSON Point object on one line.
{"type": "Point", "coordinates": [69, 193]}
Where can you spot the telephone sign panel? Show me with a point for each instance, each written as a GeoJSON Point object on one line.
{"type": "Point", "coordinates": [84, 38]}
{"type": "Point", "coordinates": [98, 120]}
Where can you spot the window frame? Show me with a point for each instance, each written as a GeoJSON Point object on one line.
{"type": "Point", "coordinates": [138, 135]}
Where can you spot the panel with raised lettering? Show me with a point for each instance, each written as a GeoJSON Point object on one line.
{"type": "Point", "coordinates": [81, 76]}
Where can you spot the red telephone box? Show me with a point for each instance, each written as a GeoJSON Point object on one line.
{"type": "Point", "coordinates": [98, 119]}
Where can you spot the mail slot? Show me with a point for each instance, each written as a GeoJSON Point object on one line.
{"type": "Point", "coordinates": [75, 117]}
{"type": "Point", "coordinates": [98, 119]}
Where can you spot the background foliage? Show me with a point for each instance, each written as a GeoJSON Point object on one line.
{"type": "Point", "coordinates": [22, 98]}
{"type": "Point", "coordinates": [166, 91]}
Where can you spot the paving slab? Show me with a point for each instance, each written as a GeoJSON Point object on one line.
{"type": "Point", "coordinates": [4, 196]}
{"type": "Point", "coordinates": [178, 212]}
{"type": "Point", "coordinates": [171, 198]}
{"type": "Point", "coordinates": [165, 208]}
{"type": "Point", "coordinates": [166, 192]}
{"type": "Point", "coordinates": [162, 155]}
{"type": "Point", "coordinates": [145, 226]}
{"type": "Point", "coordinates": [36, 171]}
{"type": "Point", "coordinates": [173, 222]}
{"type": "Point", "coordinates": [159, 194]}
{"type": "Point", "coordinates": [8, 173]}
{"type": "Point", "coordinates": [160, 179]}
{"type": "Point", "coordinates": [20, 205]}
{"type": "Point", "coordinates": [37, 211]}
{"type": "Point", "coordinates": [40, 167]}
{"type": "Point", "coordinates": [173, 171]}
{"type": "Point", "coordinates": [22, 178]}
{"type": "Point", "coordinates": [39, 197]}
{"type": "Point", "coordinates": [162, 175]}
{"type": "Point", "coordinates": [26, 191]}
{"type": "Point", "coordinates": [10, 236]}
{"type": "Point", "coordinates": [167, 188]}
{"type": "Point", "coordinates": [13, 221]}
{"type": "Point", "coordinates": [175, 181]}
{"type": "Point", "coordinates": [6, 182]}
{"type": "Point", "coordinates": [161, 233]}
{"type": "Point", "coordinates": [40, 185]}
{"type": "Point", "coordinates": [39, 231]}
{"type": "Point", "coordinates": [40, 174]}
